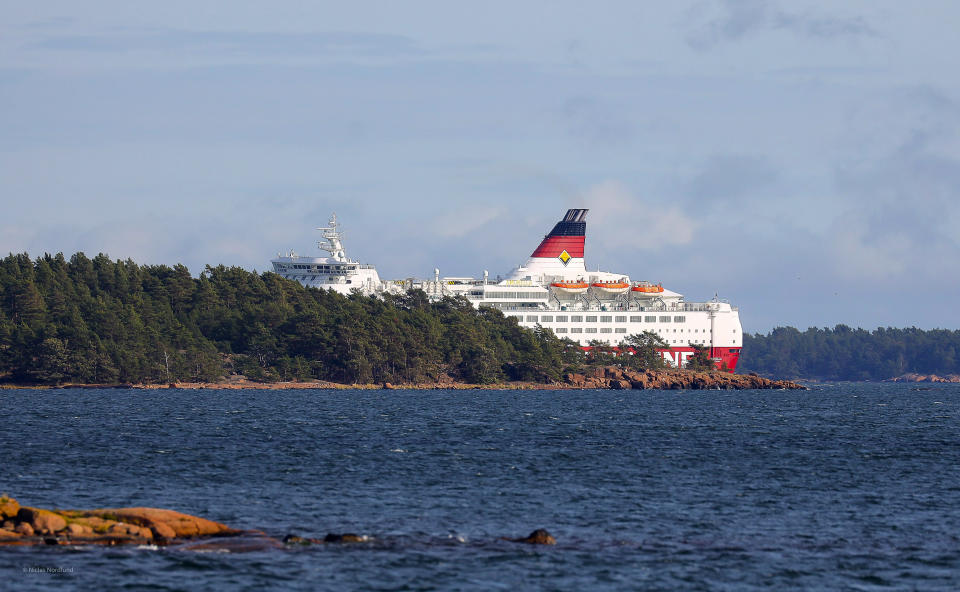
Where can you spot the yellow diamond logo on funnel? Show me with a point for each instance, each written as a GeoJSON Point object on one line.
{"type": "Point", "coordinates": [565, 257]}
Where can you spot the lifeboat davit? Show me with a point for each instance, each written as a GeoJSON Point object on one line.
{"type": "Point", "coordinates": [610, 287]}
{"type": "Point", "coordinates": [570, 287]}
{"type": "Point", "coordinates": [641, 288]}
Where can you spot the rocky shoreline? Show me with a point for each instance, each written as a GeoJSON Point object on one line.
{"type": "Point", "coordinates": [26, 526]}
{"type": "Point", "coordinates": [607, 377]}
{"type": "Point", "coordinates": [911, 377]}
{"type": "Point", "coordinates": [612, 377]}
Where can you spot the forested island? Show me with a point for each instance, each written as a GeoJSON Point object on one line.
{"type": "Point", "coordinates": [844, 353]}
{"type": "Point", "coordinates": [100, 321]}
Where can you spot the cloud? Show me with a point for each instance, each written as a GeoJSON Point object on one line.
{"type": "Point", "coordinates": [330, 43]}
{"type": "Point", "coordinates": [859, 253]}
{"type": "Point", "coordinates": [740, 19]}
{"type": "Point", "coordinates": [904, 198]}
{"type": "Point", "coordinates": [465, 220]}
{"type": "Point", "coordinates": [631, 222]}
{"type": "Point", "coordinates": [55, 22]}
{"type": "Point", "coordinates": [731, 176]}
{"type": "Point", "coordinates": [591, 121]}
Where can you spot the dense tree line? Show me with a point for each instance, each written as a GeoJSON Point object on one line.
{"type": "Point", "coordinates": [843, 353]}
{"type": "Point", "coordinates": [100, 321]}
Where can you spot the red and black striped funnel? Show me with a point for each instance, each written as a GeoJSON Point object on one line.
{"type": "Point", "coordinates": [568, 235]}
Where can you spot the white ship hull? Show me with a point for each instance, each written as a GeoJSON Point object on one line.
{"type": "Point", "coordinates": [336, 272]}
{"type": "Point", "coordinates": [598, 315]}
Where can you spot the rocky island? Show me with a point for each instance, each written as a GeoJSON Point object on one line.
{"type": "Point", "coordinates": [27, 526]}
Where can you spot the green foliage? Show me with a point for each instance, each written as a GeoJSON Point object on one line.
{"type": "Point", "coordinates": [646, 348]}
{"type": "Point", "coordinates": [843, 353]}
{"type": "Point", "coordinates": [601, 353]}
{"type": "Point", "coordinates": [102, 321]}
{"type": "Point", "coordinates": [700, 360]}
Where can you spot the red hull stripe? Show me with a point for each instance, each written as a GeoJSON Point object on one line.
{"type": "Point", "coordinates": [677, 356]}
{"type": "Point", "coordinates": [552, 246]}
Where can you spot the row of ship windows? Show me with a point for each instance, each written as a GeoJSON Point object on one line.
{"type": "Point", "coordinates": [604, 319]}
{"type": "Point", "coordinates": [320, 268]}
{"type": "Point", "coordinates": [511, 295]}
{"type": "Point", "coordinates": [591, 330]}
{"type": "Point", "coordinates": [311, 278]}
{"type": "Point", "coordinates": [610, 330]}
{"type": "Point", "coordinates": [669, 341]}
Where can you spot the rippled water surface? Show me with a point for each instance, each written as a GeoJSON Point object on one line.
{"type": "Point", "coordinates": [848, 486]}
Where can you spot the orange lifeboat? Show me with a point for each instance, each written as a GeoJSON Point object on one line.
{"type": "Point", "coordinates": [570, 287]}
{"type": "Point", "coordinates": [610, 287]}
{"type": "Point", "coordinates": [647, 288]}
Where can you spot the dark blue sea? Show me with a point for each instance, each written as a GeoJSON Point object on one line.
{"type": "Point", "coordinates": [841, 487]}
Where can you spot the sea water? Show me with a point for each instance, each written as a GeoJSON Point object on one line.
{"type": "Point", "coordinates": [841, 487]}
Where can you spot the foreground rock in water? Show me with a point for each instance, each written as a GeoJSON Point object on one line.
{"type": "Point", "coordinates": [538, 537]}
{"type": "Point", "coordinates": [612, 377]}
{"type": "Point", "coordinates": [21, 525]}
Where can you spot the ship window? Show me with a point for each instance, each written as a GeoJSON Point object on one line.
{"type": "Point", "coordinates": [635, 318]}
{"type": "Point", "coordinates": [577, 318]}
{"type": "Point", "coordinates": [561, 318]}
{"type": "Point", "coordinates": [546, 319]}
{"type": "Point", "coordinates": [591, 319]}
{"type": "Point", "coordinates": [531, 318]}
{"type": "Point", "coordinates": [679, 319]}
{"type": "Point", "coordinates": [606, 330]}
{"type": "Point", "coordinates": [620, 330]}
{"type": "Point", "coordinates": [591, 330]}
{"type": "Point", "coordinates": [606, 319]}
{"type": "Point", "coordinates": [576, 330]}
{"type": "Point", "coordinates": [621, 319]}
{"type": "Point", "coordinates": [664, 319]}
{"type": "Point", "coordinates": [650, 319]}
{"type": "Point", "coordinates": [561, 330]}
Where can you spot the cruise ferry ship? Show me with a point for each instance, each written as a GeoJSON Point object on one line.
{"type": "Point", "coordinates": [336, 272]}
{"type": "Point", "coordinates": [555, 290]}
{"type": "Point", "coordinates": [552, 289]}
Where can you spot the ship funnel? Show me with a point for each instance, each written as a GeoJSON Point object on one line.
{"type": "Point", "coordinates": [568, 235]}
{"type": "Point", "coordinates": [560, 254]}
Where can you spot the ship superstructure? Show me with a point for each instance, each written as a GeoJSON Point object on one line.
{"type": "Point", "coordinates": [555, 290]}
{"type": "Point", "coordinates": [336, 272]}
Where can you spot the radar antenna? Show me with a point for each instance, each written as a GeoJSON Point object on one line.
{"type": "Point", "coordinates": [332, 242]}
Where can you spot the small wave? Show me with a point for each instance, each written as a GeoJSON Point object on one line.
{"type": "Point", "coordinates": [148, 547]}
{"type": "Point", "coordinates": [398, 450]}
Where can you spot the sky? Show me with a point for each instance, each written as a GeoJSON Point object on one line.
{"type": "Point", "coordinates": [800, 159]}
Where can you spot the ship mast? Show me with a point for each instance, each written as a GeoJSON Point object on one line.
{"type": "Point", "coordinates": [332, 240]}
